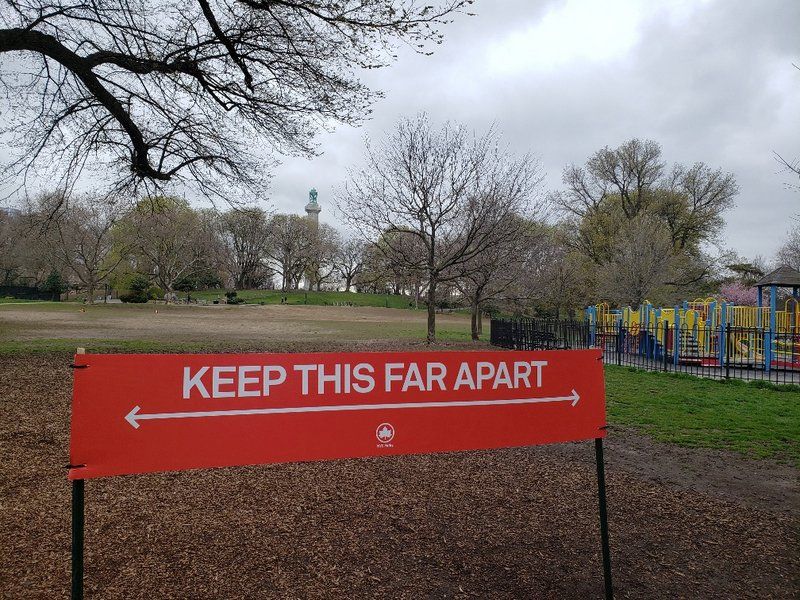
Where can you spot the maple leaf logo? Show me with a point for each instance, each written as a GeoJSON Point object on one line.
{"type": "Point", "coordinates": [384, 432]}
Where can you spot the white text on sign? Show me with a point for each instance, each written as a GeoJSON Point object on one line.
{"type": "Point", "coordinates": [248, 381]}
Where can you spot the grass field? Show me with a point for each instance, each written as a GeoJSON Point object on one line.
{"type": "Point", "coordinates": [297, 297]}
{"type": "Point", "coordinates": [754, 421]}
{"type": "Point", "coordinates": [757, 421]}
{"type": "Point", "coordinates": [38, 326]}
{"type": "Point", "coordinates": [311, 298]}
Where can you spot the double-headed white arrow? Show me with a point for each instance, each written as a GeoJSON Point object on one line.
{"type": "Point", "coordinates": [135, 416]}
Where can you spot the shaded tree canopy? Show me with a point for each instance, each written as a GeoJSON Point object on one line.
{"type": "Point", "coordinates": [245, 236]}
{"type": "Point", "coordinates": [167, 239]}
{"type": "Point", "coordinates": [151, 92]}
{"type": "Point", "coordinates": [648, 224]}
{"type": "Point", "coordinates": [619, 184]}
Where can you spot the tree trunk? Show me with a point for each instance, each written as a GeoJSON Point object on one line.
{"type": "Point", "coordinates": [480, 321]}
{"type": "Point", "coordinates": [91, 292]}
{"type": "Point", "coordinates": [432, 311]}
{"type": "Point", "coordinates": [474, 322]}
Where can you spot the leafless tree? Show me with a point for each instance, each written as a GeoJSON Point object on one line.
{"type": "Point", "coordinates": [501, 270]}
{"type": "Point", "coordinates": [160, 91]}
{"type": "Point", "coordinates": [245, 237]}
{"type": "Point", "coordinates": [26, 256]}
{"type": "Point", "coordinates": [633, 179]}
{"type": "Point", "coordinates": [379, 273]}
{"type": "Point", "coordinates": [792, 167]}
{"type": "Point", "coordinates": [558, 280]}
{"type": "Point", "coordinates": [321, 257]}
{"type": "Point", "coordinates": [640, 262]}
{"type": "Point", "coordinates": [349, 260]}
{"type": "Point", "coordinates": [79, 236]}
{"type": "Point", "coordinates": [628, 172]}
{"type": "Point", "coordinates": [290, 242]}
{"type": "Point", "coordinates": [12, 255]}
{"type": "Point", "coordinates": [789, 252]}
{"type": "Point", "coordinates": [448, 188]}
{"type": "Point", "coordinates": [386, 265]}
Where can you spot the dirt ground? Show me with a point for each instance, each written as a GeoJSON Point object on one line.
{"type": "Point", "coordinates": [518, 523]}
{"type": "Point", "coordinates": [221, 323]}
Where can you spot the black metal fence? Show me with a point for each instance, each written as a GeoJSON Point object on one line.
{"type": "Point", "coordinates": [721, 353]}
{"type": "Point", "coordinates": [26, 293]}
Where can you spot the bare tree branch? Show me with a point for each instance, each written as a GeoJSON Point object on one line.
{"type": "Point", "coordinates": [154, 93]}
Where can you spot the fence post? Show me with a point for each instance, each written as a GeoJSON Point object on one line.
{"type": "Point", "coordinates": [676, 337]}
{"type": "Point", "coordinates": [620, 342]}
{"type": "Point", "coordinates": [664, 344]}
{"type": "Point", "coordinates": [727, 353]}
{"type": "Point", "coordinates": [722, 341]}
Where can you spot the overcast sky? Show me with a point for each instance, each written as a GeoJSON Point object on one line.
{"type": "Point", "coordinates": [710, 81]}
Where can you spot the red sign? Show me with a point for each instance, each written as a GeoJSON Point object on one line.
{"type": "Point", "coordinates": [139, 413]}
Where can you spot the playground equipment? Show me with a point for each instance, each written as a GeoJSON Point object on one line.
{"type": "Point", "coordinates": [709, 331]}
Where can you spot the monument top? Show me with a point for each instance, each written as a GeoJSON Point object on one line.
{"type": "Point", "coordinates": [313, 208]}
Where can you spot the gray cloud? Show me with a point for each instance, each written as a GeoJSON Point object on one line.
{"type": "Point", "coordinates": [710, 81]}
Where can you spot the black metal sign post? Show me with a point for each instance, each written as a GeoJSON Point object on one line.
{"type": "Point", "coordinates": [77, 539]}
{"type": "Point", "coordinates": [601, 493]}
{"type": "Point", "coordinates": [77, 527]}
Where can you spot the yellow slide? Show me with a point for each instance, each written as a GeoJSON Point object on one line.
{"type": "Point", "coordinates": [744, 350]}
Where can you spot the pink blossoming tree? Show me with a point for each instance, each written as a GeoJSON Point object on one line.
{"type": "Point", "coordinates": [739, 294]}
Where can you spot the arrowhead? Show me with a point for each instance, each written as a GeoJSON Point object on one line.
{"type": "Point", "coordinates": [131, 417]}
{"type": "Point", "coordinates": [575, 397]}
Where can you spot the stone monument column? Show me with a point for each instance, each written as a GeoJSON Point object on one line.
{"type": "Point", "coordinates": [313, 208]}
{"type": "Point", "coordinates": [312, 213]}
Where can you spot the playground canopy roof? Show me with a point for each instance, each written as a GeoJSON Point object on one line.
{"type": "Point", "coordinates": [783, 276]}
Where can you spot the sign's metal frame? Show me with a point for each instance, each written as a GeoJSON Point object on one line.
{"type": "Point", "coordinates": [78, 520]}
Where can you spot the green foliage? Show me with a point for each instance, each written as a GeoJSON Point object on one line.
{"type": "Point", "coordinates": [645, 223]}
{"type": "Point", "coordinates": [747, 273]}
{"type": "Point", "coordinates": [233, 298]}
{"type": "Point", "coordinates": [138, 289]}
{"type": "Point", "coordinates": [55, 284]}
{"type": "Point", "coordinates": [202, 279]}
{"type": "Point", "coordinates": [314, 298]}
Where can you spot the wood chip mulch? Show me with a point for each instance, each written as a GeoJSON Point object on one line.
{"type": "Point", "coordinates": [519, 523]}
